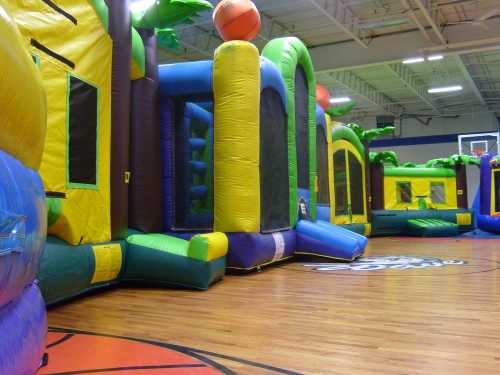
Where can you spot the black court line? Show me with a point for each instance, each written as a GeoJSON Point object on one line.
{"type": "Point", "coordinates": [61, 340]}
{"type": "Point", "coordinates": [35, 43]}
{"type": "Point", "coordinates": [131, 368]}
{"type": "Point", "coordinates": [195, 353]}
{"type": "Point", "coordinates": [61, 11]}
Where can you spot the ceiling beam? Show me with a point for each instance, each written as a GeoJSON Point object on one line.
{"type": "Point", "coordinates": [412, 82]}
{"type": "Point", "coordinates": [342, 17]}
{"type": "Point", "coordinates": [432, 18]}
{"type": "Point", "coordinates": [202, 41]}
{"type": "Point", "coordinates": [470, 79]}
{"type": "Point", "coordinates": [362, 88]}
{"type": "Point", "coordinates": [415, 19]}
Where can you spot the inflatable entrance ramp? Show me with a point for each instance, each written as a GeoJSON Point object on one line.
{"type": "Point", "coordinates": [432, 228]}
{"type": "Point", "coordinates": [328, 240]}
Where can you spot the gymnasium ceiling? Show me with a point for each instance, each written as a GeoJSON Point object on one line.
{"type": "Point", "coordinates": [358, 47]}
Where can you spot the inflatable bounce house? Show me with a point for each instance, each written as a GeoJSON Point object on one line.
{"type": "Point", "coordinates": [98, 71]}
{"type": "Point", "coordinates": [23, 217]}
{"type": "Point", "coordinates": [343, 196]}
{"type": "Point", "coordinates": [238, 153]}
{"type": "Point", "coordinates": [420, 200]}
{"type": "Point", "coordinates": [488, 218]}
{"type": "Point", "coordinates": [344, 189]}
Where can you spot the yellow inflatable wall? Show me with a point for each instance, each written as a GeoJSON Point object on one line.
{"type": "Point", "coordinates": [420, 187]}
{"type": "Point", "coordinates": [74, 53]}
{"type": "Point", "coordinates": [22, 127]}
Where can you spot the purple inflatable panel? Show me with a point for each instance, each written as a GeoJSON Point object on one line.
{"type": "Point", "coordinates": [23, 327]}
{"type": "Point", "coordinates": [249, 250]}
{"type": "Point", "coordinates": [485, 183]}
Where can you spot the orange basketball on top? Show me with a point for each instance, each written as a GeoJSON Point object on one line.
{"type": "Point", "coordinates": [322, 97]}
{"type": "Point", "coordinates": [236, 19]}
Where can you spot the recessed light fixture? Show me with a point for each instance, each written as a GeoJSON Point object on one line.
{"type": "Point", "coordinates": [414, 60]}
{"type": "Point", "coordinates": [141, 5]}
{"type": "Point", "coordinates": [439, 90]}
{"type": "Point", "coordinates": [341, 99]}
{"type": "Point", "coordinates": [435, 57]}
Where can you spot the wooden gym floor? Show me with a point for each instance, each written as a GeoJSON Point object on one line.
{"type": "Point", "coordinates": [292, 319]}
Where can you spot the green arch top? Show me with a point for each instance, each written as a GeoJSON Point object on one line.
{"type": "Point", "coordinates": [347, 134]}
{"type": "Point", "coordinates": [287, 53]}
{"type": "Point", "coordinates": [138, 58]}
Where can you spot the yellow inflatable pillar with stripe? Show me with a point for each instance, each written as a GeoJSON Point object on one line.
{"type": "Point", "coordinates": [236, 76]}
{"type": "Point", "coordinates": [73, 51]}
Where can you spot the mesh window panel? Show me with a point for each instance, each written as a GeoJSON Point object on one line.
{"type": "Point", "coordinates": [322, 157]}
{"type": "Point", "coordinates": [404, 192]}
{"type": "Point", "coordinates": [497, 191]}
{"type": "Point", "coordinates": [274, 192]}
{"type": "Point", "coordinates": [183, 176]}
{"type": "Point", "coordinates": [203, 204]}
{"type": "Point", "coordinates": [437, 193]}
{"type": "Point", "coordinates": [82, 128]}
{"type": "Point", "coordinates": [356, 185]}
{"type": "Point", "coordinates": [340, 179]}
{"type": "Point", "coordinates": [302, 127]}
{"type": "Point", "coordinates": [193, 208]}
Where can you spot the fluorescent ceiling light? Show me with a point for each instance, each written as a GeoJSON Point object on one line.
{"type": "Point", "coordinates": [438, 90]}
{"type": "Point", "coordinates": [414, 60]}
{"type": "Point", "coordinates": [141, 5]}
{"type": "Point", "coordinates": [435, 57]}
{"type": "Point", "coordinates": [341, 99]}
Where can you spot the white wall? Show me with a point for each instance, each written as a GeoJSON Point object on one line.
{"type": "Point", "coordinates": [475, 123]}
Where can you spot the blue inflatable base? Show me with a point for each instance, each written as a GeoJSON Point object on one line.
{"type": "Point", "coordinates": [23, 327]}
{"type": "Point", "coordinates": [489, 223]}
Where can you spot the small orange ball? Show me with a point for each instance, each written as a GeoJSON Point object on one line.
{"type": "Point", "coordinates": [322, 97]}
{"type": "Point", "coordinates": [236, 19]}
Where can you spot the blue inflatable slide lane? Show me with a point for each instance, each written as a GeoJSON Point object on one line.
{"type": "Point", "coordinates": [328, 240]}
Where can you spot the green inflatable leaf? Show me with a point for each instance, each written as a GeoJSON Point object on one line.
{"type": "Point", "coordinates": [384, 157]}
{"type": "Point", "coordinates": [341, 110]}
{"type": "Point", "coordinates": [167, 38]}
{"type": "Point", "coordinates": [168, 13]}
{"type": "Point", "coordinates": [370, 135]}
{"type": "Point", "coordinates": [452, 161]}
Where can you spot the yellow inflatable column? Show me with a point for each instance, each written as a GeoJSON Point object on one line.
{"type": "Point", "coordinates": [236, 75]}
{"type": "Point", "coordinates": [23, 114]}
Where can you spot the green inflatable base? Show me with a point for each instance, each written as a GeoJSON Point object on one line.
{"type": "Point", "coordinates": [432, 228]}
{"type": "Point", "coordinates": [398, 223]}
{"type": "Point", "coordinates": [68, 271]}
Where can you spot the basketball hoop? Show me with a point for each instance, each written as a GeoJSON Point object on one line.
{"type": "Point", "coordinates": [478, 153]}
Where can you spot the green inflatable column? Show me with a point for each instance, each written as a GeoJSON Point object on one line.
{"type": "Point", "coordinates": [290, 54]}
